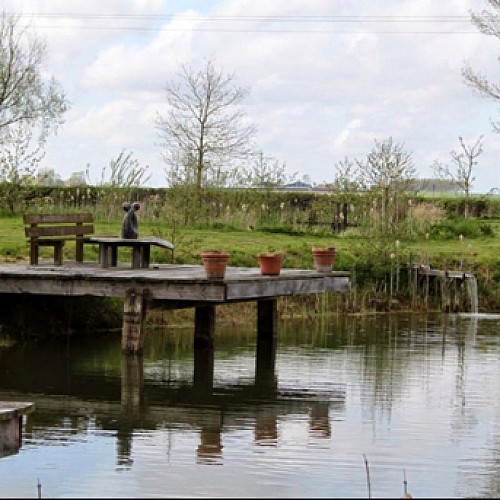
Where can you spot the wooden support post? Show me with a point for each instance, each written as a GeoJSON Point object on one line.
{"type": "Point", "coordinates": [204, 326]}
{"type": "Point", "coordinates": [413, 280]}
{"type": "Point", "coordinates": [265, 361]}
{"type": "Point", "coordinates": [426, 297]}
{"type": "Point", "coordinates": [132, 383]}
{"type": "Point", "coordinates": [267, 318]}
{"type": "Point", "coordinates": [446, 293]}
{"type": "Point", "coordinates": [204, 369]}
{"type": "Point", "coordinates": [134, 315]}
{"type": "Point", "coordinates": [10, 435]}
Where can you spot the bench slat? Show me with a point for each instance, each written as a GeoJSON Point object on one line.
{"type": "Point", "coordinates": [57, 218]}
{"type": "Point", "coordinates": [80, 230]}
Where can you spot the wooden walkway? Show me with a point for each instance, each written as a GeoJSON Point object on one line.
{"type": "Point", "coordinates": [170, 286]}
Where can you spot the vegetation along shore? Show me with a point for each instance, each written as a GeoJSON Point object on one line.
{"type": "Point", "coordinates": [378, 241]}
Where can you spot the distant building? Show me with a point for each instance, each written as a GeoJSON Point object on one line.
{"type": "Point", "coordinates": [297, 186]}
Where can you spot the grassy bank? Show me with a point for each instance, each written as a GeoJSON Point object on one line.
{"type": "Point", "coordinates": [380, 266]}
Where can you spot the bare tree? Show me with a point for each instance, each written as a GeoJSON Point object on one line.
{"type": "Point", "coordinates": [26, 98]}
{"type": "Point", "coordinates": [125, 172]}
{"type": "Point", "coordinates": [462, 174]}
{"type": "Point", "coordinates": [488, 23]}
{"type": "Point", "coordinates": [204, 128]}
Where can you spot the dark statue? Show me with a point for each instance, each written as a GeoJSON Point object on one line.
{"type": "Point", "coordinates": [130, 226]}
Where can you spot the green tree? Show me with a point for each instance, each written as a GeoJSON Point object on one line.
{"type": "Point", "coordinates": [19, 161]}
{"type": "Point", "coordinates": [346, 177]}
{"type": "Point", "coordinates": [31, 107]}
{"type": "Point", "coordinates": [388, 172]}
{"type": "Point", "coordinates": [26, 97]}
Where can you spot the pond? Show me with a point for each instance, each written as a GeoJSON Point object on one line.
{"type": "Point", "coordinates": [338, 408]}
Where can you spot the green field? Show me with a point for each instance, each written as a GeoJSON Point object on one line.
{"type": "Point", "coordinates": [373, 262]}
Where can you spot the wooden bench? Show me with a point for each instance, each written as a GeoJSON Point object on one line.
{"type": "Point", "coordinates": [141, 249]}
{"type": "Point", "coordinates": [54, 230]}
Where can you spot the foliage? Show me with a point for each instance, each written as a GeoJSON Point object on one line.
{"type": "Point", "coordinates": [25, 97]}
{"type": "Point", "coordinates": [346, 178]}
{"type": "Point", "coordinates": [204, 129]}
{"type": "Point", "coordinates": [30, 107]}
{"type": "Point", "coordinates": [454, 228]}
{"type": "Point", "coordinates": [18, 162]}
{"type": "Point", "coordinates": [265, 173]}
{"type": "Point", "coordinates": [387, 172]}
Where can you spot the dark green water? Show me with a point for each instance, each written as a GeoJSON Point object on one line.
{"type": "Point", "coordinates": [417, 396]}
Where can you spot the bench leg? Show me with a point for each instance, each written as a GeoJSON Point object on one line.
{"type": "Point", "coordinates": [146, 253]}
{"type": "Point", "coordinates": [33, 253]}
{"type": "Point", "coordinates": [136, 257]}
{"type": "Point", "coordinates": [79, 251]}
{"type": "Point", "coordinates": [114, 256]}
{"type": "Point", "coordinates": [103, 255]}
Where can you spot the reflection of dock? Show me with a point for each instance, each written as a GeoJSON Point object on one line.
{"type": "Point", "coordinates": [127, 404]}
{"type": "Point", "coordinates": [11, 423]}
{"type": "Point", "coordinates": [170, 286]}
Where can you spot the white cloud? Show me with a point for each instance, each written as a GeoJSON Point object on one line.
{"type": "Point", "coordinates": [346, 132]}
{"type": "Point", "coordinates": [319, 90]}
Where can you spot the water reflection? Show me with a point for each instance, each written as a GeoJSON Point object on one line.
{"type": "Point", "coordinates": [291, 417]}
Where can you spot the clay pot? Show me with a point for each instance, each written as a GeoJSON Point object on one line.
{"type": "Point", "coordinates": [215, 263]}
{"type": "Point", "coordinates": [324, 258]}
{"type": "Point", "coordinates": [270, 262]}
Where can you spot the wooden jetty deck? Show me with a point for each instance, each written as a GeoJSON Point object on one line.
{"type": "Point", "coordinates": [171, 286]}
{"type": "Point", "coordinates": [450, 285]}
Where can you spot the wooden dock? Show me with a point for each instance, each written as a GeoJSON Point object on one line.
{"type": "Point", "coordinates": [451, 286]}
{"type": "Point", "coordinates": [171, 286]}
{"type": "Point", "coordinates": [11, 422]}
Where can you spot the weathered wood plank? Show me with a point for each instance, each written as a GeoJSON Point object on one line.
{"type": "Point", "coordinates": [44, 231]}
{"type": "Point", "coordinates": [134, 316]}
{"type": "Point", "coordinates": [150, 240]}
{"type": "Point", "coordinates": [57, 218]}
{"type": "Point", "coordinates": [11, 409]}
{"type": "Point", "coordinates": [179, 283]}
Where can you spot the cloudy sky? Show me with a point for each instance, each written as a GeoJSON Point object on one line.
{"type": "Point", "coordinates": [327, 77]}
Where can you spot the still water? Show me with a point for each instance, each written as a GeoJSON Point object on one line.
{"type": "Point", "coordinates": [418, 397]}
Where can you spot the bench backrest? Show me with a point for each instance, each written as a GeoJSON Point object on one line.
{"type": "Point", "coordinates": [43, 225]}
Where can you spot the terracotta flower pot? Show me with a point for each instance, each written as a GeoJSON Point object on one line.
{"type": "Point", "coordinates": [270, 262]}
{"type": "Point", "coordinates": [324, 258]}
{"type": "Point", "coordinates": [215, 263]}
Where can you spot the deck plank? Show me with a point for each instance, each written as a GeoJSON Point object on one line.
{"type": "Point", "coordinates": [165, 282]}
